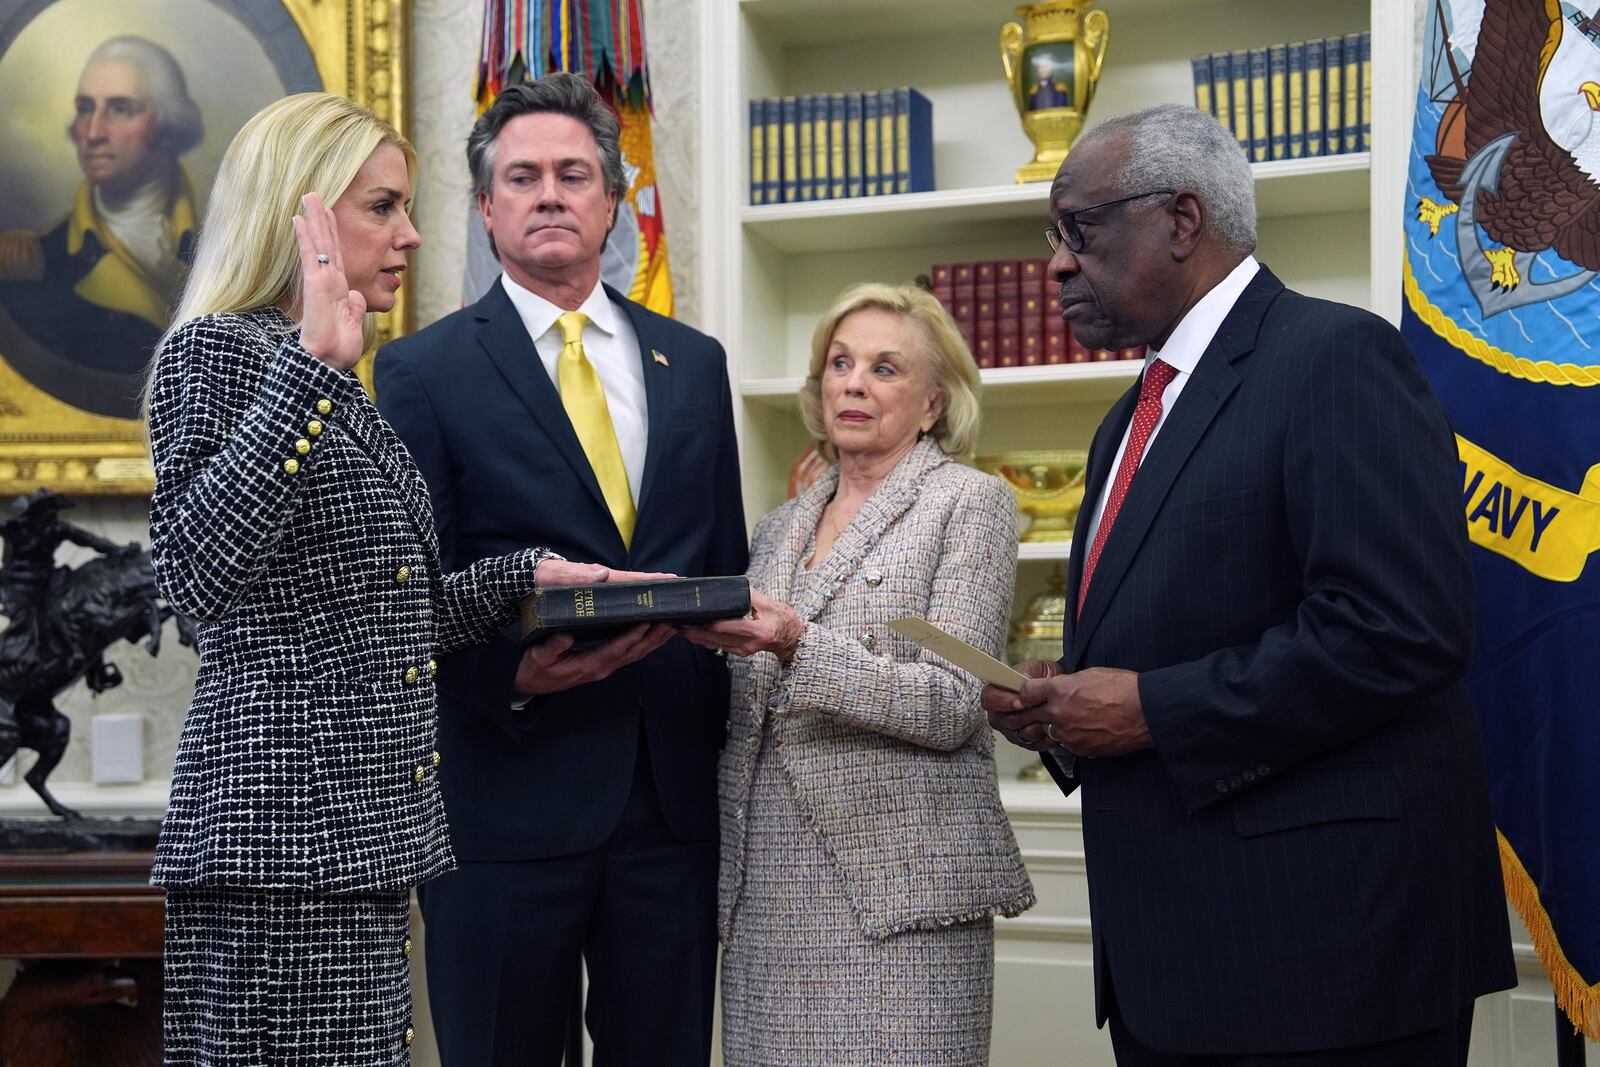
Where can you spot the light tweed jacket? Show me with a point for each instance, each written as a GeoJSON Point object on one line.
{"type": "Point", "coordinates": [290, 521]}
{"type": "Point", "coordinates": [885, 745]}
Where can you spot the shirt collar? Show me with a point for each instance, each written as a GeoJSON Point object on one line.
{"type": "Point", "coordinates": [1194, 332]}
{"type": "Point", "coordinates": [539, 315]}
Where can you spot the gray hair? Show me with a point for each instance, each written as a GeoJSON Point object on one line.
{"type": "Point", "coordinates": [561, 94]}
{"type": "Point", "coordinates": [178, 121]}
{"type": "Point", "coordinates": [1174, 146]}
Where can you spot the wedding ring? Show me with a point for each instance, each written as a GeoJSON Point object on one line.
{"type": "Point", "coordinates": [1050, 732]}
{"type": "Point", "coordinates": [322, 257]}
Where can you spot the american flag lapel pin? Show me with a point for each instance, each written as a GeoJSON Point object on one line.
{"type": "Point", "coordinates": [659, 358]}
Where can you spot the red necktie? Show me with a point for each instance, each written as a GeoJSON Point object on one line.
{"type": "Point", "coordinates": [1145, 416]}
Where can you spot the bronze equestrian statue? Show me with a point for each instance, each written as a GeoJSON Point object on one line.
{"type": "Point", "coordinates": [60, 622]}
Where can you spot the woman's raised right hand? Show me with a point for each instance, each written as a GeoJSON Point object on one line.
{"type": "Point", "coordinates": [330, 311]}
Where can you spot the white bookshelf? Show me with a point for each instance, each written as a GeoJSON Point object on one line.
{"type": "Point", "coordinates": [1328, 226]}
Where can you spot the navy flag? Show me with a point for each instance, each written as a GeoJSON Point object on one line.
{"type": "Point", "coordinates": [1502, 306]}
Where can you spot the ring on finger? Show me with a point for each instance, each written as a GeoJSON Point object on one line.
{"type": "Point", "coordinates": [1050, 732]}
{"type": "Point", "coordinates": [323, 257]}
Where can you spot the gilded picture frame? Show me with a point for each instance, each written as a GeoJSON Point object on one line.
{"type": "Point", "coordinates": [74, 332]}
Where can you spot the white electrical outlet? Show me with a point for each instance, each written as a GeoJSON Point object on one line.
{"type": "Point", "coordinates": [116, 747]}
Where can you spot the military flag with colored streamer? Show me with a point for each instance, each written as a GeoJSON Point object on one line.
{"type": "Point", "coordinates": [1502, 306]}
{"type": "Point", "coordinates": [524, 40]}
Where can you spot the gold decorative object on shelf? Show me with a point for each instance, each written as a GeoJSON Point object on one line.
{"type": "Point", "coordinates": [1042, 626]}
{"type": "Point", "coordinates": [1038, 634]}
{"type": "Point", "coordinates": [1052, 60]}
{"type": "Point", "coordinates": [1048, 486]}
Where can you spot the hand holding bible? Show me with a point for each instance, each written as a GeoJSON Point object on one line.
{"type": "Point", "coordinates": [552, 666]}
{"type": "Point", "coordinates": [771, 626]}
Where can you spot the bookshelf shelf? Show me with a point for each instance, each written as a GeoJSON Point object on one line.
{"type": "Point", "coordinates": [1069, 383]}
{"type": "Point", "coordinates": [1035, 551]}
{"type": "Point", "coordinates": [808, 23]}
{"type": "Point", "coordinates": [1319, 186]}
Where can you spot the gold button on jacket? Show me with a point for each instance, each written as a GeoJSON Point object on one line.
{"type": "Point", "coordinates": [291, 466]}
{"type": "Point", "coordinates": [411, 675]}
{"type": "Point", "coordinates": [314, 427]}
{"type": "Point", "coordinates": [302, 446]}
{"type": "Point", "coordinates": [420, 773]}
{"type": "Point", "coordinates": [437, 759]}
{"type": "Point", "coordinates": [324, 407]}
{"type": "Point", "coordinates": [403, 574]}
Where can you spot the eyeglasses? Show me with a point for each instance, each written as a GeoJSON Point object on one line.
{"type": "Point", "coordinates": [1067, 231]}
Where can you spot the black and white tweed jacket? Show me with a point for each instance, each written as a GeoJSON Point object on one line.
{"type": "Point", "coordinates": [292, 523]}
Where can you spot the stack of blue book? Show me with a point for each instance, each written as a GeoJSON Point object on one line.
{"type": "Point", "coordinates": [827, 146]}
{"type": "Point", "coordinates": [1286, 101]}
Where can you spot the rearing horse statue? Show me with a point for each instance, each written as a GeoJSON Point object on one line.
{"type": "Point", "coordinates": [60, 623]}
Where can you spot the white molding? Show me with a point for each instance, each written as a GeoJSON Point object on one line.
{"type": "Point", "coordinates": [1040, 804]}
{"type": "Point", "coordinates": [1036, 928]}
{"type": "Point", "coordinates": [147, 799]}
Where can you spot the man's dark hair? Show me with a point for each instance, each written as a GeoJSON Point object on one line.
{"type": "Point", "coordinates": [560, 94]}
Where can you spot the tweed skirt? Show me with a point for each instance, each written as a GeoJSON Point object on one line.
{"type": "Point", "coordinates": [286, 979]}
{"type": "Point", "coordinates": [803, 986]}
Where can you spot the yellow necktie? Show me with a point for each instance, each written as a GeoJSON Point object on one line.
{"type": "Point", "coordinates": [585, 401]}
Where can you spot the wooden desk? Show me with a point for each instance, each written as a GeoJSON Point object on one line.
{"type": "Point", "coordinates": [73, 915]}
{"type": "Point", "coordinates": [79, 905]}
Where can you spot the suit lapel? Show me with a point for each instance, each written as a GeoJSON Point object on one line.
{"type": "Point", "coordinates": [506, 342]}
{"type": "Point", "coordinates": [657, 392]}
{"type": "Point", "coordinates": [1213, 381]}
{"type": "Point", "coordinates": [1101, 453]}
{"type": "Point", "coordinates": [893, 497]}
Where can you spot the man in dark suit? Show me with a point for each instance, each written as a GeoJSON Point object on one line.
{"type": "Point", "coordinates": [557, 412]}
{"type": "Point", "coordinates": [1291, 859]}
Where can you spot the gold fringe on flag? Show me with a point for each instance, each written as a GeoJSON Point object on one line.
{"type": "Point", "coordinates": [1579, 999]}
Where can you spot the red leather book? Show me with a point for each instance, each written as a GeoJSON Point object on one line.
{"type": "Point", "coordinates": [983, 275]}
{"type": "Point", "coordinates": [1008, 342]}
{"type": "Point", "coordinates": [965, 307]}
{"type": "Point", "coordinates": [944, 285]}
{"type": "Point", "coordinates": [1056, 349]}
{"type": "Point", "coordinates": [986, 351]}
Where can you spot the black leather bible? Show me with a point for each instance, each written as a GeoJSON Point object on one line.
{"type": "Point", "coordinates": [595, 612]}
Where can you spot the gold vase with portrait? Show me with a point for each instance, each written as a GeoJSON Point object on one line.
{"type": "Point", "coordinates": [1052, 61]}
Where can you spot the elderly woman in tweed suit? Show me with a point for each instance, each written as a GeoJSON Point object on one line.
{"type": "Point", "coordinates": [289, 520]}
{"type": "Point", "coordinates": [864, 848]}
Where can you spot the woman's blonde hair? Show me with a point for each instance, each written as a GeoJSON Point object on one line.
{"type": "Point", "coordinates": [246, 256]}
{"type": "Point", "coordinates": [949, 363]}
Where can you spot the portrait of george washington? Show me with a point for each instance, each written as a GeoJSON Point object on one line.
{"type": "Point", "coordinates": [125, 110]}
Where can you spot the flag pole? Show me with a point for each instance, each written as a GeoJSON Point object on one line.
{"type": "Point", "coordinates": [1569, 1041]}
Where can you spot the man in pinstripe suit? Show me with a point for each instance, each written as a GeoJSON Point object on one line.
{"type": "Point", "coordinates": [1290, 853]}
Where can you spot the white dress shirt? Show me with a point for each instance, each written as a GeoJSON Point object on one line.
{"type": "Point", "coordinates": [1182, 352]}
{"type": "Point", "coordinates": [612, 347]}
